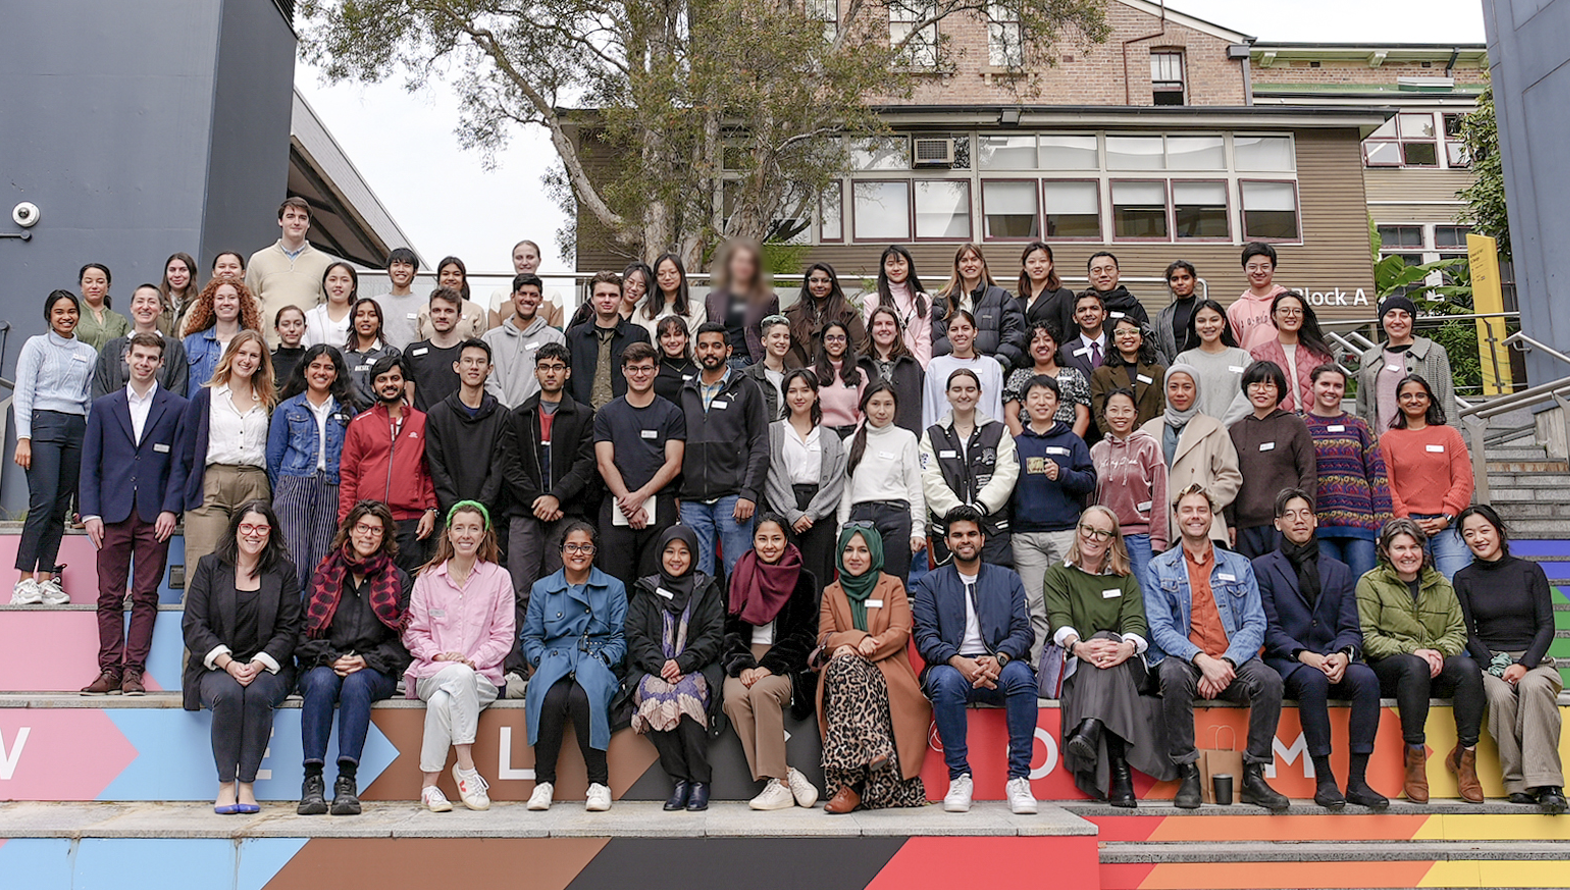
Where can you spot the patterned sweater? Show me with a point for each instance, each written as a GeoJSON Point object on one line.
{"type": "Point", "coordinates": [1354, 494]}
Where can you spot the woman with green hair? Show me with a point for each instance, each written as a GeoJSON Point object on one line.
{"type": "Point", "coordinates": [871, 711]}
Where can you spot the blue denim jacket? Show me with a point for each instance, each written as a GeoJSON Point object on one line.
{"type": "Point", "coordinates": [1168, 602]}
{"type": "Point", "coordinates": [202, 352]}
{"type": "Point", "coordinates": [291, 439]}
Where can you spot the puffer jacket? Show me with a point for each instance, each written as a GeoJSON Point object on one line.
{"type": "Point", "coordinates": [1393, 624]}
{"type": "Point", "coordinates": [1000, 326]}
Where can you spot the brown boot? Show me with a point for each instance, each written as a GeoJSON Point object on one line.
{"type": "Point", "coordinates": [1463, 763]}
{"type": "Point", "coordinates": [1416, 784]}
{"type": "Point", "coordinates": [844, 801]}
{"type": "Point", "coordinates": [108, 683]}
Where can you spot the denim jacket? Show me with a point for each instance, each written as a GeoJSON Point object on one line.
{"type": "Point", "coordinates": [202, 353]}
{"type": "Point", "coordinates": [1168, 602]}
{"type": "Point", "coordinates": [291, 439]}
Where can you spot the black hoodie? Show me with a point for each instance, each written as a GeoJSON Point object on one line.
{"type": "Point", "coordinates": [460, 449]}
{"type": "Point", "coordinates": [1120, 303]}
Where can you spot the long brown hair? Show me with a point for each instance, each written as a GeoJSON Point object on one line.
{"type": "Point", "coordinates": [956, 285]}
{"type": "Point", "coordinates": [164, 291]}
{"type": "Point", "coordinates": [202, 316]}
{"type": "Point", "coordinates": [898, 348]}
{"type": "Point", "coordinates": [262, 381]}
{"type": "Point", "coordinates": [488, 551]}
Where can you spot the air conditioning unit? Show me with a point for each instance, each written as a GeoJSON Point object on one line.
{"type": "Point", "coordinates": [932, 151]}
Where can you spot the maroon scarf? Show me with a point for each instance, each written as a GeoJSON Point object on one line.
{"type": "Point", "coordinates": [758, 591]}
{"type": "Point", "coordinates": [328, 582]}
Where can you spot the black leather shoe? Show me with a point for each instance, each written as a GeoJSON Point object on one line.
{"type": "Point", "coordinates": [346, 802]}
{"type": "Point", "coordinates": [1120, 790]}
{"type": "Point", "coordinates": [1523, 798]}
{"type": "Point", "coordinates": [1359, 793]}
{"type": "Point", "coordinates": [1327, 795]}
{"type": "Point", "coordinates": [698, 798]}
{"type": "Point", "coordinates": [1189, 796]}
{"type": "Point", "coordinates": [313, 797]}
{"type": "Point", "coordinates": [1258, 792]}
{"type": "Point", "coordinates": [1552, 798]}
{"type": "Point", "coordinates": [678, 800]}
{"type": "Point", "coordinates": [1085, 741]}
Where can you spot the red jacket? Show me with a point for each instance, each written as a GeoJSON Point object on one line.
{"type": "Point", "coordinates": [378, 466]}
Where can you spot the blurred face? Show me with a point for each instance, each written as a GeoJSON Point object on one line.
{"type": "Point", "coordinates": [291, 328]}
{"type": "Point", "coordinates": [401, 273]}
{"type": "Point", "coordinates": [1095, 537]}
{"type": "Point", "coordinates": [1194, 516]}
{"type": "Point", "coordinates": [552, 374]}
{"type": "Point", "coordinates": [1329, 390]}
{"type": "Point", "coordinates": [473, 366]}
{"type": "Point", "coordinates": [1089, 314]}
{"type": "Point", "coordinates": [885, 330]}
{"type": "Point", "coordinates": [880, 409]}
{"type": "Point", "coordinates": [1043, 349]}
{"type": "Point", "coordinates": [1288, 315]}
{"type": "Point", "coordinates": [1121, 414]}
{"type": "Point", "coordinates": [525, 259]}
{"type": "Point", "coordinates": [712, 351]}
{"type": "Point", "coordinates": [1406, 554]}
{"type": "Point", "coordinates": [964, 540]}
{"type": "Point", "coordinates": [1127, 339]}
{"type": "Point", "coordinates": [961, 334]}
{"type": "Point", "coordinates": [1481, 536]}
{"type": "Point", "coordinates": [1182, 283]}
{"type": "Point", "coordinates": [179, 275]}
{"type": "Point", "coordinates": [970, 266]}
{"type": "Point", "coordinates": [466, 532]}
{"type": "Point", "coordinates": [252, 534]}
{"type": "Point", "coordinates": [450, 276]}
{"type": "Point", "coordinates": [1103, 273]}
{"type": "Point", "coordinates": [63, 317]}
{"type": "Point", "coordinates": [146, 303]}
{"type": "Point", "coordinates": [1038, 266]}
{"type": "Point", "coordinates": [1263, 395]}
{"type": "Point", "coordinates": [365, 321]}
{"type": "Point", "coordinates": [1414, 401]}
{"type": "Point", "coordinates": [247, 358]}
{"type": "Point", "coordinates": [95, 284]}
{"type": "Point", "coordinates": [674, 343]}
{"type": "Point", "coordinates": [606, 299]}
{"type": "Point", "coordinates": [1297, 523]}
{"type": "Point", "coordinates": [963, 393]}
{"type": "Point", "coordinates": [295, 222]}
{"type": "Point", "coordinates": [668, 276]}
{"type": "Point", "coordinates": [577, 552]}
{"type": "Point", "coordinates": [676, 558]}
{"type": "Point", "coordinates": [800, 396]}
{"type": "Point", "coordinates": [1260, 270]}
{"type": "Point", "coordinates": [743, 267]}
{"type": "Point", "coordinates": [776, 340]}
{"type": "Point", "coordinates": [857, 558]}
{"type": "Point", "coordinates": [1041, 403]}
{"type": "Point", "coordinates": [769, 541]}
{"type": "Point", "coordinates": [1398, 325]}
{"type": "Point", "coordinates": [366, 536]}
{"type": "Point", "coordinates": [640, 375]}
{"type": "Point", "coordinates": [339, 285]}
{"type": "Point", "coordinates": [1209, 323]}
{"type": "Point", "coordinates": [145, 362]}
{"type": "Point", "coordinates": [228, 265]}
{"type": "Point", "coordinates": [226, 303]}
{"type": "Point", "coordinates": [526, 301]}
{"type": "Point", "coordinates": [819, 284]}
{"type": "Point", "coordinates": [389, 385]}
{"type": "Point", "coordinates": [633, 288]}
{"type": "Point", "coordinates": [444, 316]}
{"type": "Point", "coordinates": [321, 374]}
{"type": "Point", "coordinates": [897, 268]}
{"type": "Point", "coordinates": [1181, 391]}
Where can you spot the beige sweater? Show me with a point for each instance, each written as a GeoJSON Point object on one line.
{"type": "Point", "coordinates": [278, 281]}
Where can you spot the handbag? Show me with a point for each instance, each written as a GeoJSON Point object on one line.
{"type": "Point", "coordinates": [1052, 671]}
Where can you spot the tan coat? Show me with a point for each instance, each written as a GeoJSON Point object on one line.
{"type": "Point", "coordinates": [890, 626]}
{"type": "Point", "coordinates": [1205, 455]}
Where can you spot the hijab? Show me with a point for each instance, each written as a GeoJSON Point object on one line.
{"type": "Point", "coordinates": [858, 587]}
{"type": "Point", "coordinates": [1175, 418]}
{"type": "Point", "coordinates": [758, 590]}
{"type": "Point", "coordinates": [1305, 560]}
{"type": "Point", "coordinates": [680, 586]}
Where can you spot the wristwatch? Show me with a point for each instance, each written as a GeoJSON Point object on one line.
{"type": "Point", "coordinates": [1003, 659]}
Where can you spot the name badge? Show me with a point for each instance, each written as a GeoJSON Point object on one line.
{"type": "Point", "coordinates": [161, 448]}
{"type": "Point", "coordinates": [815, 447]}
{"type": "Point", "coordinates": [1057, 449]}
{"type": "Point", "coordinates": [1436, 449]}
{"type": "Point", "coordinates": [1115, 314]}
{"type": "Point", "coordinates": [1144, 378]}
{"type": "Point", "coordinates": [1336, 428]}
{"type": "Point", "coordinates": [438, 613]}
{"type": "Point", "coordinates": [948, 454]}
{"type": "Point", "coordinates": [1083, 350]}
{"type": "Point", "coordinates": [1002, 524]}
{"type": "Point", "coordinates": [421, 351]}
{"type": "Point", "coordinates": [874, 604]}
{"type": "Point", "coordinates": [885, 455]}
{"type": "Point", "coordinates": [1267, 446]}
{"type": "Point", "coordinates": [1236, 369]}
{"type": "Point", "coordinates": [339, 417]}
{"type": "Point", "coordinates": [719, 403]}
{"type": "Point", "coordinates": [546, 442]}
{"type": "Point", "coordinates": [1144, 506]}
{"type": "Point", "coordinates": [650, 434]}
{"type": "Point", "coordinates": [1223, 576]}
{"type": "Point", "coordinates": [78, 357]}
{"type": "Point", "coordinates": [665, 593]}
{"type": "Point", "coordinates": [685, 377]}
{"type": "Point", "coordinates": [531, 346]}
{"type": "Point", "coordinates": [1111, 593]}
{"type": "Point", "coordinates": [362, 367]}
{"type": "Point", "coordinates": [413, 316]}
{"type": "Point", "coordinates": [1394, 369]}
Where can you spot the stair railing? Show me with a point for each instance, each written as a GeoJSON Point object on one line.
{"type": "Point", "coordinates": [1476, 419]}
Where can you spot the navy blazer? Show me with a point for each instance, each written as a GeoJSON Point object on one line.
{"type": "Point", "coordinates": [1332, 625]}
{"type": "Point", "coordinates": [939, 613]}
{"type": "Point", "coordinates": [149, 475]}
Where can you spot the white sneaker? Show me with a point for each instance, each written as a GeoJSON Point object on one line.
{"type": "Point", "coordinates": [26, 593]}
{"type": "Point", "coordinates": [801, 789]}
{"type": "Point", "coordinates": [774, 796]}
{"type": "Point", "coordinates": [53, 594]}
{"type": "Point", "coordinates": [435, 800]}
{"type": "Point", "coordinates": [541, 798]}
{"type": "Point", "coordinates": [598, 799]}
{"type": "Point", "coordinates": [1021, 801]}
{"type": "Point", "coordinates": [471, 788]}
{"type": "Point", "coordinates": [958, 798]}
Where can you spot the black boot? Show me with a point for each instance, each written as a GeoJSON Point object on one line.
{"type": "Point", "coordinates": [679, 794]}
{"type": "Point", "coordinates": [1552, 798]}
{"type": "Point", "coordinates": [1189, 796]}
{"type": "Point", "coordinates": [1085, 741]}
{"type": "Point", "coordinates": [346, 800]}
{"type": "Point", "coordinates": [1120, 787]}
{"type": "Point", "coordinates": [1258, 792]}
{"type": "Point", "coordinates": [313, 796]}
{"type": "Point", "coordinates": [698, 797]}
{"type": "Point", "coordinates": [1326, 794]}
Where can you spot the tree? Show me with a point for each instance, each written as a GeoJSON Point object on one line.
{"type": "Point", "coordinates": [1485, 197]}
{"type": "Point", "coordinates": [699, 118]}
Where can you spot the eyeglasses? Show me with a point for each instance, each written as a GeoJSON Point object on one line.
{"type": "Point", "coordinates": [578, 548]}
{"type": "Point", "coordinates": [1289, 312]}
{"type": "Point", "coordinates": [1256, 269]}
{"type": "Point", "coordinates": [639, 369]}
{"type": "Point", "coordinates": [1095, 533]}
{"type": "Point", "coordinates": [1262, 385]}
{"type": "Point", "coordinates": [374, 531]}
{"type": "Point", "coordinates": [250, 529]}
{"type": "Point", "coordinates": [834, 338]}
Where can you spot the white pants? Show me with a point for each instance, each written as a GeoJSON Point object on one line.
{"type": "Point", "coordinates": [453, 700]}
{"type": "Point", "coordinates": [1034, 553]}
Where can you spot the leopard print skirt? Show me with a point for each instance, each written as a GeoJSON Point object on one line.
{"type": "Point", "coordinates": [857, 731]}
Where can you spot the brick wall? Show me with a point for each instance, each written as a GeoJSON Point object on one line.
{"type": "Point", "coordinates": [1358, 72]}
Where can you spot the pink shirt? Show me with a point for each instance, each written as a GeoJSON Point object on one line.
{"type": "Point", "coordinates": [918, 328]}
{"type": "Point", "coordinates": [475, 619]}
{"type": "Point", "coordinates": [841, 403]}
{"type": "Point", "coordinates": [1250, 319]}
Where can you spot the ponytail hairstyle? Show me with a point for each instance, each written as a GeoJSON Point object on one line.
{"type": "Point", "coordinates": [917, 292]}
{"type": "Point", "coordinates": [858, 442]}
{"type": "Point", "coordinates": [850, 374]}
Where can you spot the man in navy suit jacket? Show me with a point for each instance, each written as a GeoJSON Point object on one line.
{"type": "Point", "coordinates": [131, 496]}
{"type": "Point", "coordinates": [1314, 639]}
{"type": "Point", "coordinates": [973, 630]}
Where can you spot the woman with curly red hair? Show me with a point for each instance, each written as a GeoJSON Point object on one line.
{"type": "Point", "coordinates": [225, 307]}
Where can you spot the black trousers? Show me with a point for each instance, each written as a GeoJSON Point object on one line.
{"type": "Point", "coordinates": [242, 719]}
{"type": "Point", "coordinates": [412, 552]}
{"type": "Point", "coordinates": [892, 520]}
{"type": "Point", "coordinates": [1256, 541]}
{"type": "Point", "coordinates": [628, 553]}
{"type": "Point", "coordinates": [684, 751]}
{"type": "Point", "coordinates": [51, 484]}
{"type": "Point", "coordinates": [1256, 685]}
{"type": "Point", "coordinates": [566, 700]}
{"type": "Point", "coordinates": [1312, 690]}
{"type": "Point", "coordinates": [1405, 678]}
{"type": "Point", "coordinates": [817, 543]}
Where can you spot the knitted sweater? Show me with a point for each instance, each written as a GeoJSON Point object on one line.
{"type": "Point", "coordinates": [1272, 454]}
{"type": "Point", "coordinates": [1353, 500]}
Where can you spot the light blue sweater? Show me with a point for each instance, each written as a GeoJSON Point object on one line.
{"type": "Point", "coordinates": [52, 374]}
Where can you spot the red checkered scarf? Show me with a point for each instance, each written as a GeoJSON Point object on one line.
{"type": "Point", "coordinates": [327, 586]}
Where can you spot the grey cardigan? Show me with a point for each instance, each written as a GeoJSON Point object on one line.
{"type": "Point", "coordinates": [1426, 358]}
{"type": "Point", "coordinates": [777, 488]}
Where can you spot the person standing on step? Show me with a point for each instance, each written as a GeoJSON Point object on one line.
{"type": "Point", "coordinates": [740, 300]}
{"type": "Point", "coordinates": [999, 322]}
{"type": "Point", "coordinates": [384, 460]}
{"type": "Point", "coordinates": [401, 306]}
{"type": "Point", "coordinates": [639, 441]}
{"type": "Point", "coordinates": [1131, 481]}
{"type": "Point", "coordinates": [1382, 368]}
{"type": "Point", "coordinates": [1096, 614]}
{"type": "Point", "coordinates": [1508, 606]}
{"type": "Point", "coordinates": [289, 325]}
{"type": "Point", "coordinates": [883, 480]}
{"type": "Point", "coordinates": [899, 290]}
{"type": "Point", "coordinates": [962, 355]}
{"type": "Point", "coordinates": [330, 321]}
{"type": "Point", "coordinates": [516, 342]}
{"type": "Point", "coordinates": [304, 449]}
{"type": "Point", "coordinates": [291, 269]}
{"type": "Point", "coordinates": [462, 434]}
{"type": "Point", "coordinates": [1196, 448]}
{"type": "Point", "coordinates": [886, 358]}
{"type": "Point", "coordinates": [100, 323]}
{"type": "Point", "coordinates": [968, 458]}
{"type": "Point", "coordinates": [1249, 314]}
{"type": "Point", "coordinates": [1041, 298]}
{"type": "Point", "coordinates": [431, 361]}
{"type": "Point", "coordinates": [131, 494]}
{"type": "Point", "coordinates": [1415, 635]}
{"type": "Point", "coordinates": [223, 309]}
{"type": "Point", "coordinates": [674, 342]}
{"type": "Point", "coordinates": [973, 631]}
{"type": "Point", "coordinates": [599, 344]}
{"type": "Point", "coordinates": [806, 473]}
{"type": "Point", "coordinates": [473, 319]}
{"type": "Point", "coordinates": [1207, 624]}
{"type": "Point", "coordinates": [1132, 365]}
{"type": "Point", "coordinates": [1430, 472]}
{"type": "Point", "coordinates": [1104, 274]}
{"type": "Point", "coordinates": [351, 652]}
{"type": "Point", "coordinates": [1274, 452]}
{"type": "Point", "coordinates": [1174, 327]}
{"type": "Point", "coordinates": [1353, 502]}
{"type": "Point", "coordinates": [113, 369]}
{"type": "Point", "coordinates": [54, 374]}
{"type": "Point", "coordinates": [1314, 641]}
{"type": "Point", "coordinates": [769, 373]}
{"type": "Point", "coordinates": [365, 348]}
{"type": "Point", "coordinates": [821, 301]}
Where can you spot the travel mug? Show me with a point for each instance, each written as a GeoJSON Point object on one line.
{"type": "Point", "coordinates": [1221, 784]}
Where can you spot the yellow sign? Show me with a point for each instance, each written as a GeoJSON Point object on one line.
{"type": "Point", "coordinates": [1488, 299]}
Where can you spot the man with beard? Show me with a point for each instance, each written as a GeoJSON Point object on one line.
{"type": "Point", "coordinates": [515, 344]}
{"type": "Point", "coordinates": [384, 460]}
{"type": "Point", "coordinates": [727, 454]}
{"type": "Point", "coordinates": [431, 361]}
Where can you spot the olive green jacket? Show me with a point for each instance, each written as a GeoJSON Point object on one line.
{"type": "Point", "coordinates": [1393, 624]}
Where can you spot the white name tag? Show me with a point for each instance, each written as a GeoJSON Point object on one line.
{"type": "Point", "coordinates": [665, 593]}
{"type": "Point", "coordinates": [531, 346]}
{"type": "Point", "coordinates": [1115, 314]}
{"type": "Point", "coordinates": [1002, 524]}
{"type": "Point", "coordinates": [1336, 428]}
{"type": "Point", "coordinates": [421, 351]}
{"type": "Point", "coordinates": [1223, 576]}
{"type": "Point", "coordinates": [1144, 378]}
{"type": "Point", "coordinates": [1056, 449]}
{"type": "Point", "coordinates": [719, 403]}
{"type": "Point", "coordinates": [1083, 350]}
{"type": "Point", "coordinates": [1436, 449]}
{"type": "Point", "coordinates": [1144, 506]}
{"type": "Point", "coordinates": [1394, 369]}
{"type": "Point", "coordinates": [413, 316]}
{"type": "Point", "coordinates": [885, 455]}
{"type": "Point", "coordinates": [438, 613]}
{"type": "Point", "coordinates": [948, 454]}
{"type": "Point", "coordinates": [161, 448]}
{"type": "Point", "coordinates": [1236, 369]}
{"type": "Point", "coordinates": [874, 604]}
{"type": "Point", "coordinates": [78, 357]}
{"type": "Point", "coordinates": [1111, 593]}
{"type": "Point", "coordinates": [339, 417]}
{"type": "Point", "coordinates": [685, 377]}
{"type": "Point", "coordinates": [1267, 446]}
{"type": "Point", "coordinates": [362, 367]}
{"type": "Point", "coordinates": [650, 434]}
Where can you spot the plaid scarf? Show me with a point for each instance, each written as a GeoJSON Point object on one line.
{"type": "Point", "coordinates": [328, 582]}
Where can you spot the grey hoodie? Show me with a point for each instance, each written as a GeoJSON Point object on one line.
{"type": "Point", "coordinates": [512, 354]}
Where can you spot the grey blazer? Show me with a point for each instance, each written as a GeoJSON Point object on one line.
{"type": "Point", "coordinates": [1426, 358]}
{"type": "Point", "coordinates": [777, 488]}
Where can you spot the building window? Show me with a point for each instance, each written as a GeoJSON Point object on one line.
{"type": "Point", "coordinates": [827, 12]}
{"type": "Point", "coordinates": [1072, 208]}
{"type": "Point", "coordinates": [1008, 209]}
{"type": "Point", "coordinates": [1199, 209]}
{"type": "Point", "coordinates": [831, 223]}
{"type": "Point", "coordinates": [905, 18]}
{"type": "Point", "coordinates": [1395, 238]}
{"type": "Point", "coordinates": [1270, 154]}
{"type": "Point", "coordinates": [1139, 209]}
{"type": "Point", "coordinates": [1451, 237]}
{"type": "Point", "coordinates": [881, 153]}
{"type": "Point", "coordinates": [1196, 153]}
{"type": "Point", "coordinates": [1166, 77]}
{"type": "Point", "coordinates": [1455, 150]}
{"type": "Point", "coordinates": [1410, 139]}
{"type": "Point", "coordinates": [943, 209]}
{"type": "Point", "coordinates": [1070, 153]}
{"type": "Point", "coordinates": [1005, 49]}
{"type": "Point", "coordinates": [881, 210]}
{"type": "Point", "coordinates": [1136, 153]}
{"type": "Point", "coordinates": [1269, 210]}
{"type": "Point", "coordinates": [1011, 152]}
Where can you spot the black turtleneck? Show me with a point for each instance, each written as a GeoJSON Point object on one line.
{"type": "Point", "coordinates": [1508, 607]}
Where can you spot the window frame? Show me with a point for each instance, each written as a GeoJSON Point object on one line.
{"type": "Point", "coordinates": [1101, 210]}
{"type": "Point", "coordinates": [970, 209]}
{"type": "Point", "coordinates": [1182, 81]}
{"type": "Point", "coordinates": [918, 10]}
{"type": "Point", "coordinates": [838, 187]}
{"type": "Point", "coordinates": [1297, 210]}
{"type": "Point", "coordinates": [997, 26]}
{"type": "Point", "coordinates": [910, 202]}
{"type": "Point", "coordinates": [1226, 191]}
{"type": "Point", "coordinates": [1035, 185]}
{"type": "Point", "coordinates": [1112, 208]}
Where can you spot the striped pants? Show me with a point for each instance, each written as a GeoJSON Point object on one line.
{"type": "Point", "coordinates": [307, 508]}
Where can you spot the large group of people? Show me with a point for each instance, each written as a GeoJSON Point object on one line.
{"type": "Point", "coordinates": [678, 513]}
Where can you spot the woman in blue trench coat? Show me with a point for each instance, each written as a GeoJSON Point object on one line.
{"type": "Point", "coordinates": [573, 637]}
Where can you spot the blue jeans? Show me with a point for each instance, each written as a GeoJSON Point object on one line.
{"type": "Point", "coordinates": [951, 692]}
{"type": "Point", "coordinates": [1359, 553]}
{"type": "Point", "coordinates": [705, 519]}
{"type": "Point", "coordinates": [1139, 557]}
{"type": "Point", "coordinates": [320, 688]}
{"type": "Point", "coordinates": [1450, 553]}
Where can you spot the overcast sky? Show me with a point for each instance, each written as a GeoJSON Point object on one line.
{"type": "Point", "coordinates": [444, 199]}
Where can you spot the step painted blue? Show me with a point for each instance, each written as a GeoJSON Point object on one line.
{"type": "Point", "coordinates": [144, 863]}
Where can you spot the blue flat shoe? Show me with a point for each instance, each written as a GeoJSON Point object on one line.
{"type": "Point", "coordinates": [227, 810]}
{"type": "Point", "coordinates": [247, 808]}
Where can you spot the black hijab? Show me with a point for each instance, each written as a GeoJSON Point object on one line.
{"type": "Point", "coordinates": [679, 586]}
{"type": "Point", "coordinates": [1305, 559]}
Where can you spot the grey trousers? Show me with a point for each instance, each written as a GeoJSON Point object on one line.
{"type": "Point", "coordinates": [1524, 721]}
{"type": "Point", "coordinates": [1034, 553]}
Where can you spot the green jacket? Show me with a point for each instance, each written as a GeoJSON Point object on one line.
{"type": "Point", "coordinates": [1395, 625]}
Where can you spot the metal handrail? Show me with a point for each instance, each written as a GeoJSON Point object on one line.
{"type": "Point", "coordinates": [1520, 336]}
{"type": "Point", "coordinates": [1476, 419]}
